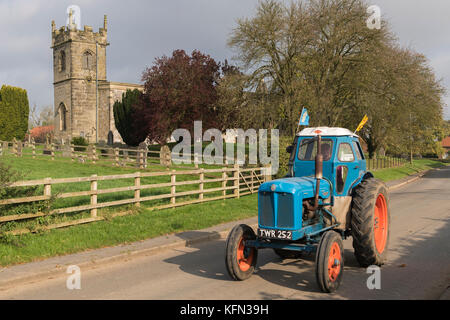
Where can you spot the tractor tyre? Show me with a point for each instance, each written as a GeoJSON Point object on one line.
{"type": "Point", "coordinates": [370, 222]}
{"type": "Point", "coordinates": [240, 260]}
{"type": "Point", "coordinates": [287, 254]}
{"type": "Point", "coordinates": [330, 261]}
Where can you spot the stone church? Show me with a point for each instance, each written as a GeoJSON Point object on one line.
{"type": "Point", "coordinates": [83, 97]}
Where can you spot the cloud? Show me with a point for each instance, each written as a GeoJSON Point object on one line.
{"type": "Point", "coordinates": [13, 11]}
{"type": "Point", "coordinates": [139, 31]}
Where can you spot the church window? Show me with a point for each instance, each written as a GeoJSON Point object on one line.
{"type": "Point", "coordinates": [62, 61]}
{"type": "Point", "coordinates": [88, 60]}
{"type": "Point", "coordinates": [62, 117]}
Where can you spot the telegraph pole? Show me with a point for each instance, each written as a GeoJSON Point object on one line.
{"type": "Point", "coordinates": [410, 139]}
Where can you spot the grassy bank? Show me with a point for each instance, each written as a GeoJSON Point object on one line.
{"type": "Point", "coordinates": [407, 169]}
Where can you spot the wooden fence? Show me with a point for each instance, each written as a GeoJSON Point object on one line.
{"type": "Point", "coordinates": [118, 157]}
{"type": "Point", "coordinates": [86, 154]}
{"type": "Point", "coordinates": [384, 163]}
{"type": "Point", "coordinates": [208, 184]}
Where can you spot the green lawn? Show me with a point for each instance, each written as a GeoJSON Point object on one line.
{"type": "Point", "coordinates": [142, 225]}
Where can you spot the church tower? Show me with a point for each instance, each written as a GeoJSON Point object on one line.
{"type": "Point", "coordinates": [79, 69]}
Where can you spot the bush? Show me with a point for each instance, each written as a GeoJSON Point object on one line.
{"type": "Point", "coordinates": [80, 141]}
{"type": "Point", "coordinates": [14, 112]}
{"type": "Point", "coordinates": [125, 117]}
{"type": "Point", "coordinates": [285, 141]}
{"type": "Point", "coordinates": [39, 134]}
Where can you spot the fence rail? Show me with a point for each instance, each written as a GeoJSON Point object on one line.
{"type": "Point", "coordinates": [208, 184]}
{"type": "Point", "coordinates": [384, 163]}
{"type": "Point", "coordinates": [118, 157]}
{"type": "Point", "coordinates": [84, 154]}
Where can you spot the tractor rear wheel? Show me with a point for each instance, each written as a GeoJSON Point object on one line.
{"type": "Point", "coordinates": [330, 261]}
{"type": "Point", "coordinates": [240, 260]}
{"type": "Point", "coordinates": [370, 222]}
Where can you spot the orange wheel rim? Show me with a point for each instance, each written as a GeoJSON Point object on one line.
{"type": "Point", "coordinates": [244, 259]}
{"type": "Point", "coordinates": [334, 262]}
{"type": "Point", "coordinates": [380, 223]}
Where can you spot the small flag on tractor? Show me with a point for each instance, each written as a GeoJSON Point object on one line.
{"type": "Point", "coordinates": [363, 122]}
{"type": "Point", "coordinates": [304, 118]}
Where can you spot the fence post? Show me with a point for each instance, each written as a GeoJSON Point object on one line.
{"type": "Point", "coordinates": [94, 186]}
{"type": "Point", "coordinates": [33, 147]}
{"type": "Point", "coordinates": [72, 153]}
{"type": "Point", "coordinates": [137, 191]}
{"type": "Point", "coordinates": [196, 160]}
{"type": "Point", "coordinates": [141, 159]}
{"type": "Point", "coordinates": [15, 147]}
{"type": "Point", "coordinates": [236, 181]}
{"type": "Point", "coordinates": [224, 182]}
{"type": "Point", "coordinates": [116, 155]}
{"type": "Point", "coordinates": [267, 173]}
{"type": "Point", "coordinates": [201, 185]}
{"type": "Point", "coordinates": [53, 151]}
{"type": "Point", "coordinates": [48, 187]}
{"type": "Point", "coordinates": [173, 190]}
{"type": "Point", "coordinates": [94, 154]}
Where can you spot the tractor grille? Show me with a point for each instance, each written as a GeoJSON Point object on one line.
{"type": "Point", "coordinates": [285, 213]}
{"type": "Point", "coordinates": [285, 217]}
{"type": "Point", "coordinates": [266, 216]}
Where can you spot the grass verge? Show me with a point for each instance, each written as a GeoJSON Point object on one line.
{"type": "Point", "coordinates": [408, 169]}
{"type": "Point", "coordinates": [121, 230]}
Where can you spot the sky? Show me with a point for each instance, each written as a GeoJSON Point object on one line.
{"type": "Point", "coordinates": [141, 30]}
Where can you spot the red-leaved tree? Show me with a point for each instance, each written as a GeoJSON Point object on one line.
{"type": "Point", "coordinates": [179, 90]}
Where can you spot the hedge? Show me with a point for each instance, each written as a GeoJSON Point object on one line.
{"type": "Point", "coordinates": [14, 112]}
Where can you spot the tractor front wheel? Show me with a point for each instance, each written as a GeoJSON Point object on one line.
{"type": "Point", "coordinates": [240, 260]}
{"type": "Point", "coordinates": [330, 261]}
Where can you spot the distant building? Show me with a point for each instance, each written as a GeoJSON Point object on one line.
{"type": "Point", "coordinates": [83, 98]}
{"type": "Point", "coordinates": [446, 146]}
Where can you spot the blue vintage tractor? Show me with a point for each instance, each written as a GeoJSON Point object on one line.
{"type": "Point", "coordinates": [327, 196]}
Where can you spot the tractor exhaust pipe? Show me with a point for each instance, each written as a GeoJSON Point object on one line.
{"type": "Point", "coordinates": [319, 170]}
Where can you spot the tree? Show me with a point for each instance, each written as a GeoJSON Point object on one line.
{"type": "Point", "coordinates": [44, 118]}
{"type": "Point", "coordinates": [178, 91]}
{"type": "Point", "coordinates": [125, 115]}
{"type": "Point", "coordinates": [268, 45]}
{"type": "Point", "coordinates": [342, 48]}
{"type": "Point", "coordinates": [404, 103]}
{"type": "Point", "coordinates": [322, 55]}
{"type": "Point", "coordinates": [14, 112]}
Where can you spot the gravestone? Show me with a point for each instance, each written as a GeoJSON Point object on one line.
{"type": "Point", "coordinates": [165, 156]}
{"type": "Point", "coordinates": [110, 138]}
{"type": "Point", "coordinates": [142, 153]}
{"type": "Point", "coordinates": [47, 148]}
{"type": "Point", "coordinates": [19, 148]}
{"type": "Point", "coordinates": [66, 150]}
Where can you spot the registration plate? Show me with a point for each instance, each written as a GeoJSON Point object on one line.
{"type": "Point", "coordinates": [275, 234]}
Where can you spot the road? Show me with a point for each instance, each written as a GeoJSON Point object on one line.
{"type": "Point", "coordinates": [418, 264]}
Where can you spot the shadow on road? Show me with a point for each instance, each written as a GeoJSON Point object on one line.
{"type": "Point", "coordinates": [207, 262]}
{"type": "Point", "coordinates": [438, 173]}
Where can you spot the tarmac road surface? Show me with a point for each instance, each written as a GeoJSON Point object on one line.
{"type": "Point", "coordinates": [418, 264]}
